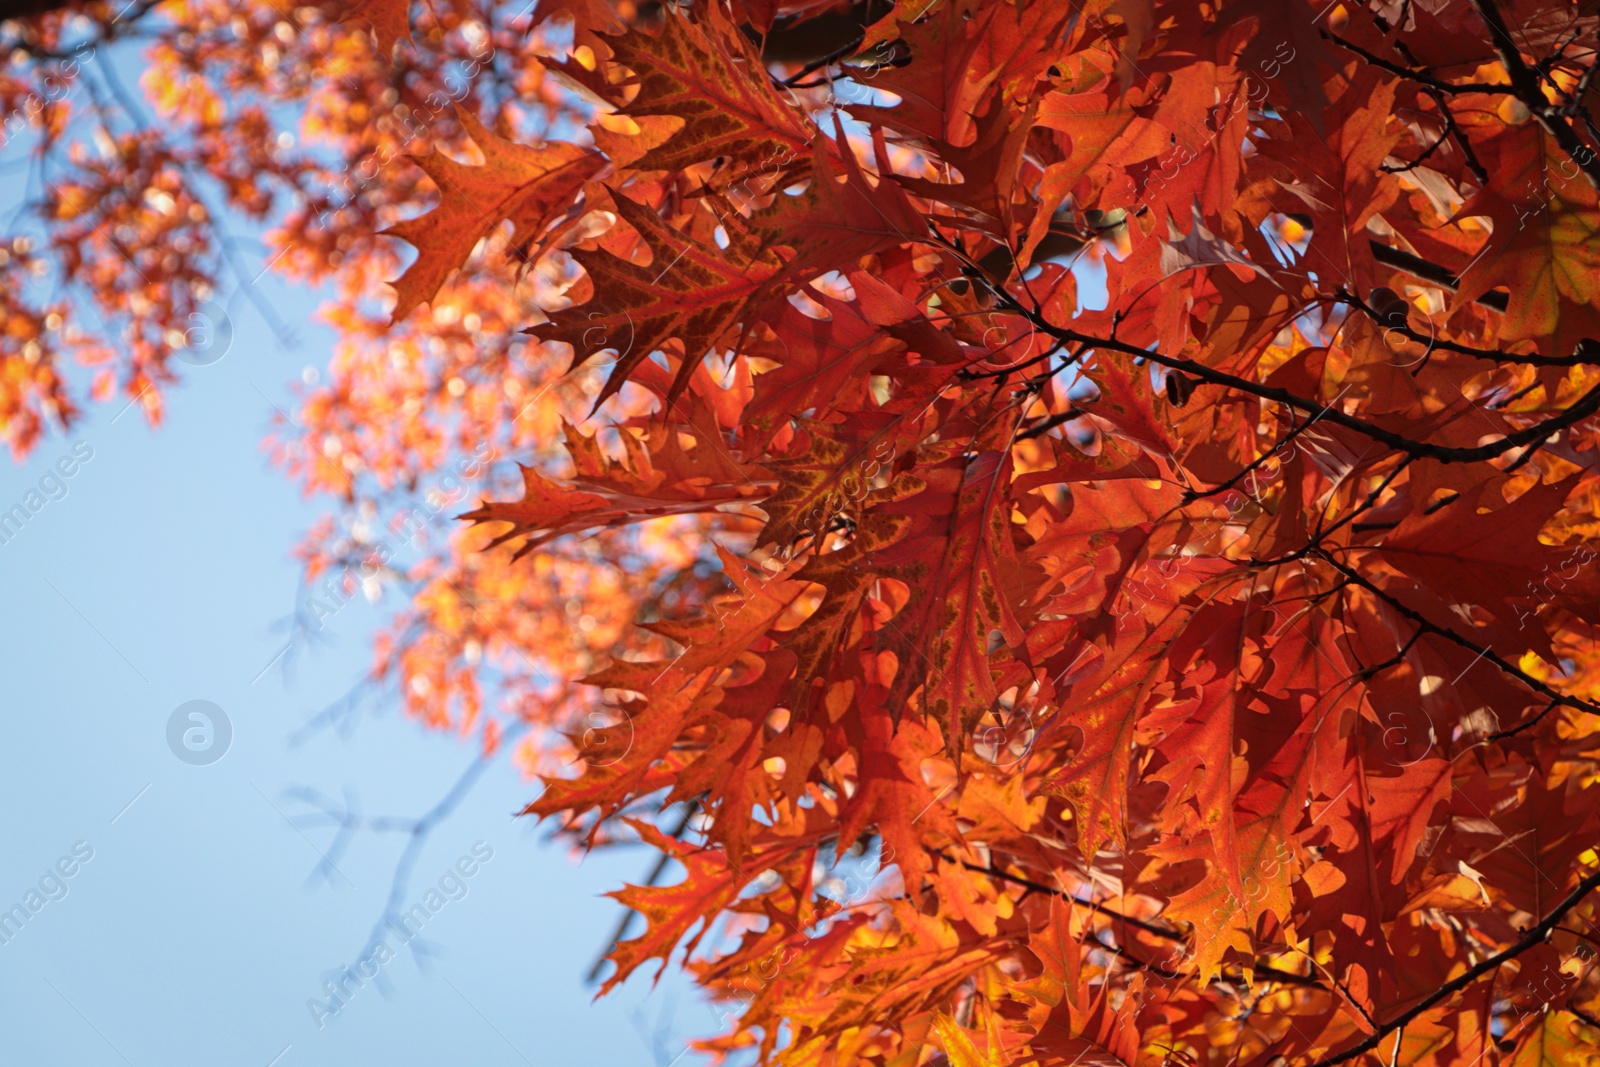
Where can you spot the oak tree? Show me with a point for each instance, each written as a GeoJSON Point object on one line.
{"type": "Point", "coordinates": [1085, 513]}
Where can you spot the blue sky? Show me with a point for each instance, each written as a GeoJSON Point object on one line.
{"type": "Point", "coordinates": [200, 928]}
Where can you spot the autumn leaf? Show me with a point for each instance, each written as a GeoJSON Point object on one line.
{"type": "Point", "coordinates": [1071, 1025]}
{"type": "Point", "coordinates": [525, 185]}
{"type": "Point", "coordinates": [700, 77]}
{"type": "Point", "coordinates": [954, 549]}
{"type": "Point", "coordinates": [689, 292]}
{"type": "Point", "coordinates": [658, 477]}
{"type": "Point", "coordinates": [390, 21]}
{"type": "Point", "coordinates": [1542, 251]}
{"type": "Point", "coordinates": [709, 885]}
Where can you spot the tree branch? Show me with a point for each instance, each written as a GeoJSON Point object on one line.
{"type": "Point", "coordinates": [1525, 83]}
{"type": "Point", "coordinates": [1484, 652]}
{"type": "Point", "coordinates": [1537, 434]}
{"type": "Point", "coordinates": [1535, 936]}
{"type": "Point", "coordinates": [1421, 77]}
{"type": "Point", "coordinates": [1428, 271]}
{"type": "Point", "coordinates": [1154, 930]}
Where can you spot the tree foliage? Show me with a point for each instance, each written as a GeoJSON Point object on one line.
{"type": "Point", "coordinates": [1107, 492]}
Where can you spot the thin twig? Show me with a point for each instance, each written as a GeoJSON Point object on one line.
{"type": "Point", "coordinates": [1533, 937]}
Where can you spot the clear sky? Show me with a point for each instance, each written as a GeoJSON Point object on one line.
{"type": "Point", "coordinates": [198, 928]}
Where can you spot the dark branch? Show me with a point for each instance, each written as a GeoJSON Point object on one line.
{"type": "Point", "coordinates": [1525, 84]}
{"type": "Point", "coordinates": [1421, 77]}
{"type": "Point", "coordinates": [1535, 936]}
{"type": "Point", "coordinates": [1432, 272]}
{"type": "Point", "coordinates": [1484, 652]}
{"type": "Point", "coordinates": [1165, 932]}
